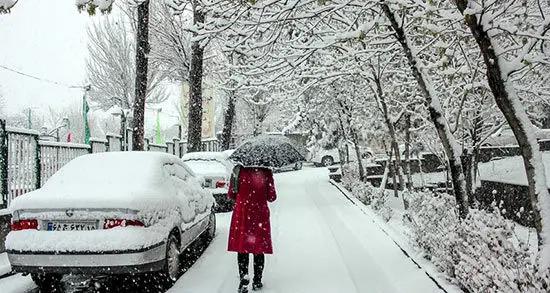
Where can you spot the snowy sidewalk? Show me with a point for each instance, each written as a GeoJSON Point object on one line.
{"type": "Point", "coordinates": [322, 242]}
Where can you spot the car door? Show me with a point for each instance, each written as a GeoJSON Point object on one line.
{"type": "Point", "coordinates": [195, 195]}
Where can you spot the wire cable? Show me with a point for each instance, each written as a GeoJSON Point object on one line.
{"type": "Point", "coordinates": [41, 79]}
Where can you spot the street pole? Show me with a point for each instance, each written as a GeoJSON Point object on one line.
{"type": "Point", "coordinates": [123, 131]}
{"type": "Point", "coordinates": [29, 119]}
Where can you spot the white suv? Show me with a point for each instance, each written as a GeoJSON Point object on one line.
{"type": "Point", "coordinates": [328, 157]}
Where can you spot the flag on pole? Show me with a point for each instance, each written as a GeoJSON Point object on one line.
{"type": "Point", "coordinates": [158, 138]}
{"type": "Point", "coordinates": [85, 110]}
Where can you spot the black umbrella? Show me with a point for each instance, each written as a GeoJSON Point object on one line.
{"type": "Point", "coordinates": [267, 151]}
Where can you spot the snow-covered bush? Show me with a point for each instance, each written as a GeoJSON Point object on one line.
{"type": "Point", "coordinates": [365, 192]}
{"type": "Point", "coordinates": [431, 217]}
{"type": "Point", "coordinates": [479, 253]}
{"type": "Point", "coordinates": [380, 204]}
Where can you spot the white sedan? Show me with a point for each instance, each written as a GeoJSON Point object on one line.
{"type": "Point", "coordinates": [110, 213]}
{"type": "Point", "coordinates": [215, 169]}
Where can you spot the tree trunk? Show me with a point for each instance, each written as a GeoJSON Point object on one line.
{"type": "Point", "coordinates": [467, 161]}
{"type": "Point", "coordinates": [355, 139]}
{"type": "Point", "coordinates": [391, 130]}
{"type": "Point", "coordinates": [511, 108]}
{"type": "Point", "coordinates": [410, 184]}
{"type": "Point", "coordinates": [448, 141]}
{"type": "Point", "coordinates": [142, 51]}
{"type": "Point", "coordinates": [386, 173]}
{"type": "Point", "coordinates": [393, 170]}
{"type": "Point", "coordinates": [194, 132]}
{"type": "Point", "coordinates": [229, 118]}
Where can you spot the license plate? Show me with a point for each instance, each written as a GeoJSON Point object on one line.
{"type": "Point", "coordinates": [71, 226]}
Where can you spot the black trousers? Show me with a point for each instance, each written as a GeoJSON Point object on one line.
{"type": "Point", "coordinates": [259, 262]}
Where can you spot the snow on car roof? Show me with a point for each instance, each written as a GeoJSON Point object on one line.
{"type": "Point", "coordinates": [207, 167]}
{"type": "Point", "coordinates": [104, 180]}
{"type": "Point", "coordinates": [217, 156]}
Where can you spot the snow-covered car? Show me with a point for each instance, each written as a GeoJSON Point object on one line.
{"type": "Point", "coordinates": [110, 213]}
{"type": "Point", "coordinates": [296, 166]}
{"type": "Point", "coordinates": [215, 170]}
{"type": "Point", "coordinates": [505, 137]}
{"type": "Point", "coordinates": [329, 157]}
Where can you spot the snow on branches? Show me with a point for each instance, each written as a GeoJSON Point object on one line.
{"type": "Point", "coordinates": [6, 5]}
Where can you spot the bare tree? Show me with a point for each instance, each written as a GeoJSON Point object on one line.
{"type": "Point", "coordinates": [111, 66]}
{"type": "Point", "coordinates": [142, 50]}
{"type": "Point", "coordinates": [194, 130]}
{"type": "Point", "coordinates": [171, 40]}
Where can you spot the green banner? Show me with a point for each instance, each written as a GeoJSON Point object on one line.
{"type": "Point", "coordinates": [85, 110]}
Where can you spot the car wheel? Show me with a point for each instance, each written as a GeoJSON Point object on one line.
{"type": "Point", "coordinates": [172, 266]}
{"type": "Point", "coordinates": [48, 282]}
{"type": "Point", "coordinates": [298, 166]}
{"type": "Point", "coordinates": [327, 161]}
{"type": "Point", "coordinates": [211, 230]}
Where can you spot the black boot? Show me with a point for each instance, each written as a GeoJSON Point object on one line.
{"type": "Point", "coordinates": [257, 284]}
{"type": "Point", "coordinates": [242, 259]}
{"type": "Point", "coordinates": [243, 285]}
{"type": "Point", "coordinates": [259, 262]}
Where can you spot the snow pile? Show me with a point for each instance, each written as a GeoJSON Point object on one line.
{"type": "Point", "coordinates": [480, 254]}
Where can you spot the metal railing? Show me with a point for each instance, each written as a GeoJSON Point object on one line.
{"type": "Point", "coordinates": [26, 161]}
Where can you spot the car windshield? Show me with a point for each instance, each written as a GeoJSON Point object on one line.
{"type": "Point", "coordinates": [206, 167]}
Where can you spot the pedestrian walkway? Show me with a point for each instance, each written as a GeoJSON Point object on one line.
{"type": "Point", "coordinates": [322, 243]}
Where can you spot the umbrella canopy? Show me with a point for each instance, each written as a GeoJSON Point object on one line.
{"type": "Point", "coordinates": [267, 151]}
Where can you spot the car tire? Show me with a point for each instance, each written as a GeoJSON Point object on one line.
{"type": "Point", "coordinates": [171, 270]}
{"type": "Point", "coordinates": [327, 161]}
{"type": "Point", "coordinates": [210, 232]}
{"type": "Point", "coordinates": [48, 282]}
{"type": "Point", "coordinates": [298, 166]}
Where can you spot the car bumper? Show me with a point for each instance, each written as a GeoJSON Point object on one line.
{"type": "Point", "coordinates": [109, 262]}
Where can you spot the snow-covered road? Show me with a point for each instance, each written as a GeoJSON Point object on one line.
{"type": "Point", "coordinates": [322, 242]}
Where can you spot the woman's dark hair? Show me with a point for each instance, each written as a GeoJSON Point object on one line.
{"type": "Point", "coordinates": [235, 178]}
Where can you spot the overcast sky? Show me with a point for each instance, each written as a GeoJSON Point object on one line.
{"type": "Point", "coordinates": [46, 39]}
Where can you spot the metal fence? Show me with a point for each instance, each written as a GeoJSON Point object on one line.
{"type": "Point", "coordinates": [26, 161]}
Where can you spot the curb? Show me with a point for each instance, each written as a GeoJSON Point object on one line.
{"type": "Point", "coordinates": [7, 275]}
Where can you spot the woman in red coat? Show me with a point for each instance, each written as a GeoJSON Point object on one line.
{"type": "Point", "coordinates": [250, 232]}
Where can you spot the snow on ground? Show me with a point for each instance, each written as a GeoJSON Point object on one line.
{"type": "Point", "coordinates": [5, 266]}
{"type": "Point", "coordinates": [16, 283]}
{"type": "Point", "coordinates": [322, 243]}
{"type": "Point", "coordinates": [510, 170]}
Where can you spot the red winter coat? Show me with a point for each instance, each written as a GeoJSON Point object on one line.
{"type": "Point", "coordinates": [250, 230]}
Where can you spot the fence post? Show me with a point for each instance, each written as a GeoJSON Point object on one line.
{"type": "Point", "coordinates": [3, 164]}
{"type": "Point", "coordinates": [108, 144]}
{"type": "Point", "coordinates": [38, 162]}
{"type": "Point", "coordinates": [177, 148]}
